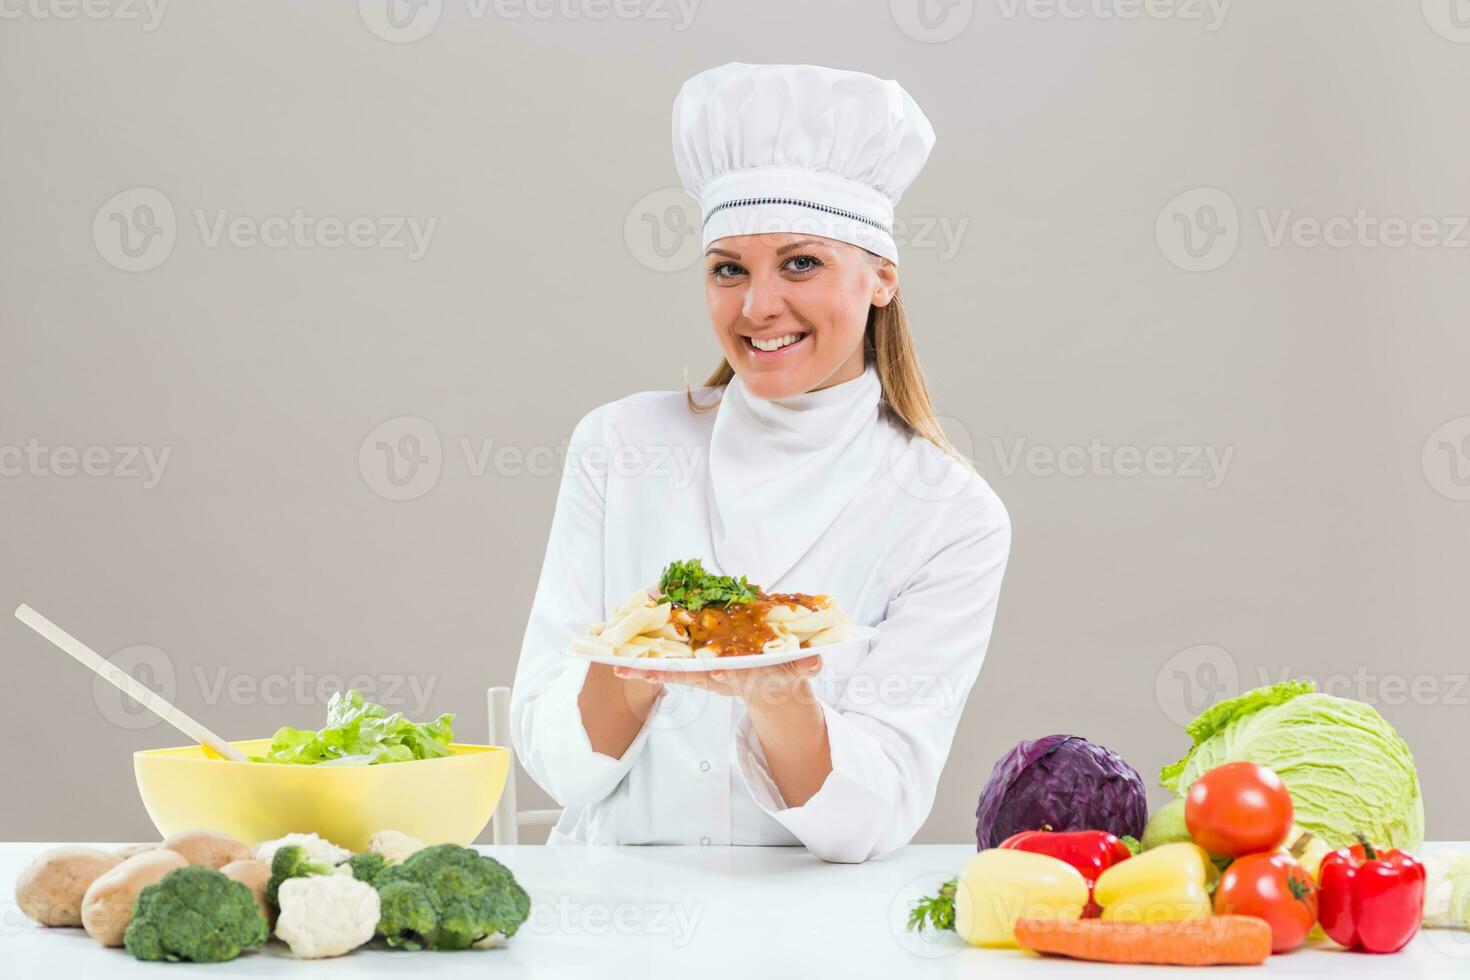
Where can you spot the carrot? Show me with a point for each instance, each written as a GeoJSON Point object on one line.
{"type": "Point", "coordinates": [1219, 939]}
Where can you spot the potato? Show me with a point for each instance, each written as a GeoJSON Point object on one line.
{"type": "Point", "coordinates": [209, 848]}
{"type": "Point", "coordinates": [253, 875]}
{"type": "Point", "coordinates": [50, 890]}
{"type": "Point", "coordinates": [107, 907]}
{"type": "Point", "coordinates": [131, 849]}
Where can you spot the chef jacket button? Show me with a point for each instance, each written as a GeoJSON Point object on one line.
{"type": "Point", "coordinates": [703, 766]}
{"type": "Point", "coordinates": [704, 841]}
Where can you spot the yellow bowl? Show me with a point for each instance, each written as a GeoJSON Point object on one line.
{"type": "Point", "coordinates": [439, 801]}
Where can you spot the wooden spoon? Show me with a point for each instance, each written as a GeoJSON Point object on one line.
{"type": "Point", "coordinates": [125, 682]}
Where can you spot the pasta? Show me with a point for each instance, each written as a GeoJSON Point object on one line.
{"type": "Point", "coordinates": [656, 627]}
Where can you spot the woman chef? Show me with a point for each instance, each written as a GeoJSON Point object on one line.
{"type": "Point", "coordinates": [811, 462]}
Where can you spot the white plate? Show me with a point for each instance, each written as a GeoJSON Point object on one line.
{"type": "Point", "coordinates": [859, 638]}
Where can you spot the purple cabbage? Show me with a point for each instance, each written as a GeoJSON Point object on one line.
{"type": "Point", "coordinates": [1063, 782]}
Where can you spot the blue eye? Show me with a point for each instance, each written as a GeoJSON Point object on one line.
{"type": "Point", "coordinates": [725, 270]}
{"type": "Point", "coordinates": [803, 263]}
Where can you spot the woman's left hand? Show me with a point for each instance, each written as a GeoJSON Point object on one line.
{"type": "Point", "coordinates": [756, 686]}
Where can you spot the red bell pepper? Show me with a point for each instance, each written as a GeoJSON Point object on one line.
{"type": "Point", "coordinates": [1371, 900]}
{"type": "Point", "coordinates": [1089, 851]}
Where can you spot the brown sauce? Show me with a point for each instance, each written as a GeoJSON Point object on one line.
{"type": "Point", "coordinates": [740, 629]}
{"type": "Point", "coordinates": [813, 602]}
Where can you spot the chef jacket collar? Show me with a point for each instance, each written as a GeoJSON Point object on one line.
{"type": "Point", "coordinates": [782, 469]}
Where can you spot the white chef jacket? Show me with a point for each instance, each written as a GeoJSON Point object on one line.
{"type": "Point", "coordinates": [915, 544]}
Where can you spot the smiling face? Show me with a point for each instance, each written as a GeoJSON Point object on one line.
{"type": "Point", "coordinates": [790, 310]}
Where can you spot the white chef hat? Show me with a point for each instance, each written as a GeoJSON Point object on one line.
{"type": "Point", "coordinates": [798, 148]}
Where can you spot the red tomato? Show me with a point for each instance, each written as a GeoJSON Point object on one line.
{"type": "Point", "coordinates": [1273, 887]}
{"type": "Point", "coordinates": [1238, 808]}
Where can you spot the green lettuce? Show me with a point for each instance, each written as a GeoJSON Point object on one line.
{"type": "Point", "coordinates": [359, 732]}
{"type": "Point", "coordinates": [1347, 769]}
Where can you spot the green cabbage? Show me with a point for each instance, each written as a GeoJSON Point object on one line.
{"type": "Point", "coordinates": [1166, 826]}
{"type": "Point", "coordinates": [1347, 769]}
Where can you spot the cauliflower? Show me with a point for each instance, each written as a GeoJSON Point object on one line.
{"type": "Point", "coordinates": [318, 850]}
{"type": "Point", "coordinates": [326, 915]}
{"type": "Point", "coordinates": [394, 845]}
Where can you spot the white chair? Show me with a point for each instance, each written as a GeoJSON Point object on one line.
{"type": "Point", "coordinates": [506, 823]}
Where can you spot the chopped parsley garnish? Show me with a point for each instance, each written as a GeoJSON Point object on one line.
{"type": "Point", "coordinates": [687, 584]}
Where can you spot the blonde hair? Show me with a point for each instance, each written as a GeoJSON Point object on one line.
{"type": "Point", "coordinates": [888, 343]}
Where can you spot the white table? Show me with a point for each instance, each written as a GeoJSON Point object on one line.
{"type": "Point", "coordinates": [695, 913]}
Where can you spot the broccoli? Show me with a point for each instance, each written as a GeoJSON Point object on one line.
{"type": "Point", "coordinates": [291, 861]}
{"type": "Point", "coordinates": [448, 897]}
{"type": "Point", "coordinates": [197, 914]}
{"type": "Point", "coordinates": [365, 866]}
{"type": "Point", "coordinates": [407, 918]}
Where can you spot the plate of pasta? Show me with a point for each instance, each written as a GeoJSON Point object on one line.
{"type": "Point", "coordinates": [697, 621]}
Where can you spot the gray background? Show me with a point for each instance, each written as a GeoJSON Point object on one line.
{"type": "Point", "coordinates": [269, 560]}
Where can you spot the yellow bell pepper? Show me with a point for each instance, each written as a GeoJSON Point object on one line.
{"type": "Point", "coordinates": [1166, 884]}
{"type": "Point", "coordinates": [997, 887]}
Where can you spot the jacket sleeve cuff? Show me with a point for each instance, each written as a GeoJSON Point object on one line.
{"type": "Point", "coordinates": [578, 773]}
{"type": "Point", "coordinates": [843, 819]}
